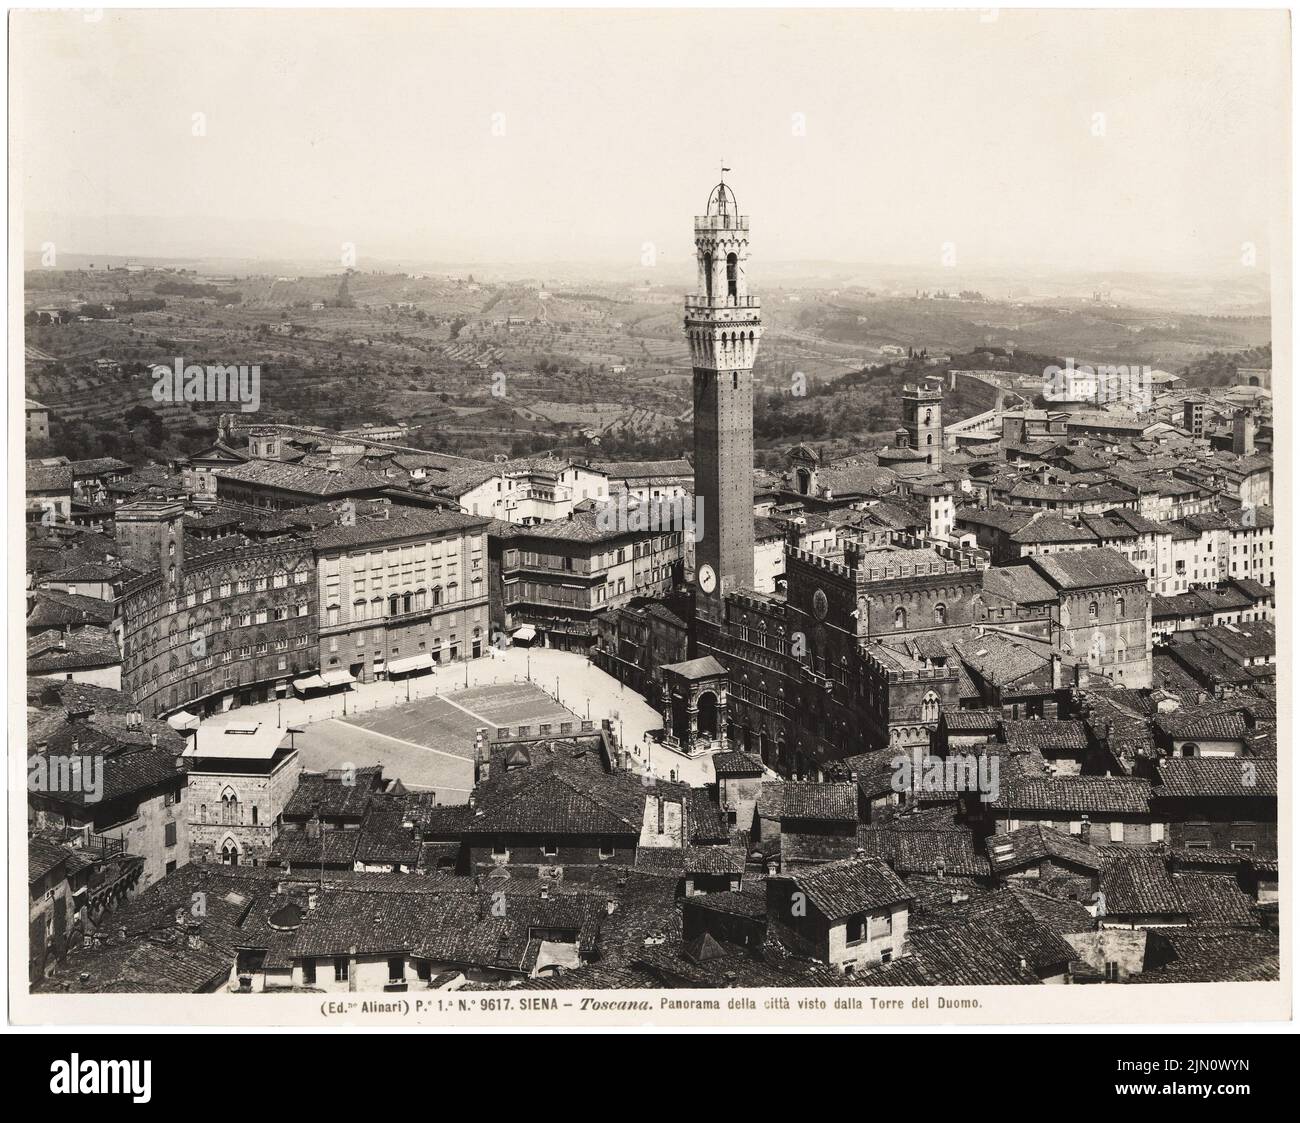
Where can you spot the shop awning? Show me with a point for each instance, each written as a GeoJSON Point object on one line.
{"type": "Point", "coordinates": [309, 682]}
{"type": "Point", "coordinates": [183, 720]}
{"type": "Point", "coordinates": [337, 678]}
{"type": "Point", "coordinates": [525, 634]}
{"type": "Point", "coordinates": [421, 662]}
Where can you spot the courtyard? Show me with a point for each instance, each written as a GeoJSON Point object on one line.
{"type": "Point", "coordinates": [422, 729]}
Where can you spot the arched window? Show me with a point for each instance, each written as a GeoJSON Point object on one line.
{"type": "Point", "coordinates": [930, 707]}
{"type": "Point", "coordinates": [940, 614]}
{"type": "Point", "coordinates": [359, 610]}
{"type": "Point", "coordinates": [900, 618]}
{"type": "Point", "coordinates": [929, 414]}
{"type": "Point", "coordinates": [708, 277]}
{"type": "Point", "coordinates": [203, 812]}
{"type": "Point", "coordinates": [436, 595]}
{"type": "Point", "coordinates": [732, 270]}
{"type": "Point", "coordinates": [406, 602]}
{"type": "Point", "coordinates": [392, 605]}
{"type": "Point", "coordinates": [1092, 610]}
{"type": "Point", "coordinates": [229, 853]}
{"type": "Point", "coordinates": [229, 808]}
{"type": "Point", "coordinates": [1119, 606]}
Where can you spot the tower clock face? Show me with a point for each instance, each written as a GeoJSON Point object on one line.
{"type": "Point", "coordinates": [708, 579]}
{"type": "Point", "coordinates": [820, 604]}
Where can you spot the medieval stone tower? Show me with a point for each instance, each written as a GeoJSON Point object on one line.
{"type": "Point", "coordinates": [151, 538]}
{"type": "Point", "coordinates": [723, 326]}
{"type": "Point", "coordinates": [923, 419]}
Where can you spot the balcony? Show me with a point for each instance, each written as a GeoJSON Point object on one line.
{"type": "Point", "coordinates": [704, 304]}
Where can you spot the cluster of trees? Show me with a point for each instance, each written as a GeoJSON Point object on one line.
{"type": "Point", "coordinates": [136, 437]}
{"type": "Point", "coordinates": [192, 289]}
{"type": "Point", "coordinates": [1219, 368]}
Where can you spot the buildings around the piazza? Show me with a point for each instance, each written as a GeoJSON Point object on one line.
{"type": "Point", "coordinates": [402, 593]}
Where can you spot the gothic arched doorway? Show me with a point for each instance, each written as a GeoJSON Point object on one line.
{"type": "Point", "coordinates": [707, 721]}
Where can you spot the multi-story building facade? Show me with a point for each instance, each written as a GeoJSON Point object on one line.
{"type": "Point", "coordinates": [525, 491]}
{"type": "Point", "coordinates": [556, 578]}
{"type": "Point", "coordinates": [1103, 613]}
{"type": "Point", "coordinates": [229, 627]}
{"type": "Point", "coordinates": [113, 790]}
{"type": "Point", "coordinates": [402, 593]}
{"type": "Point", "coordinates": [831, 668]}
{"type": "Point", "coordinates": [241, 777]}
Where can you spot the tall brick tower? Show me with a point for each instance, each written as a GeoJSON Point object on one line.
{"type": "Point", "coordinates": [723, 325]}
{"type": "Point", "coordinates": [923, 419]}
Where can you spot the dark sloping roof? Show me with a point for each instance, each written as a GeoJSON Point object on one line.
{"type": "Point", "coordinates": [1137, 882]}
{"type": "Point", "coordinates": [967, 955]}
{"type": "Point", "coordinates": [1215, 899]}
{"type": "Point", "coordinates": [1075, 795]}
{"type": "Point", "coordinates": [792, 800]}
{"type": "Point", "coordinates": [553, 806]}
{"type": "Point", "coordinates": [840, 889]}
{"type": "Point", "coordinates": [1211, 777]}
{"type": "Point", "coordinates": [737, 764]}
{"type": "Point", "coordinates": [1034, 843]}
{"type": "Point", "coordinates": [1087, 569]}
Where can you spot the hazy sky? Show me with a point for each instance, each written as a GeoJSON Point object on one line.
{"type": "Point", "coordinates": [920, 128]}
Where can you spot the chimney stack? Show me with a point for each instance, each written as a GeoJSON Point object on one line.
{"type": "Point", "coordinates": [1085, 831]}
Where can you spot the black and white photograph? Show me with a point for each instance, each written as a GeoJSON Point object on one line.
{"type": "Point", "coordinates": [661, 517]}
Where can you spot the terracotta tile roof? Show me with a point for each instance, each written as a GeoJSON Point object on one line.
{"type": "Point", "coordinates": [967, 955]}
{"type": "Point", "coordinates": [53, 608]}
{"type": "Point", "coordinates": [1071, 735]}
{"type": "Point", "coordinates": [1063, 917]}
{"type": "Point", "coordinates": [1087, 569]}
{"type": "Point", "coordinates": [1205, 956]}
{"type": "Point", "coordinates": [737, 763]}
{"type": "Point", "coordinates": [844, 888]}
{"type": "Point", "coordinates": [409, 525]}
{"type": "Point", "coordinates": [1213, 777]}
{"type": "Point", "coordinates": [782, 800]}
{"type": "Point", "coordinates": [303, 479]}
{"type": "Point", "coordinates": [1136, 882]}
{"type": "Point", "coordinates": [1215, 899]}
{"type": "Point", "coordinates": [1077, 794]}
{"type": "Point", "coordinates": [1032, 844]}
{"type": "Point", "coordinates": [552, 807]}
